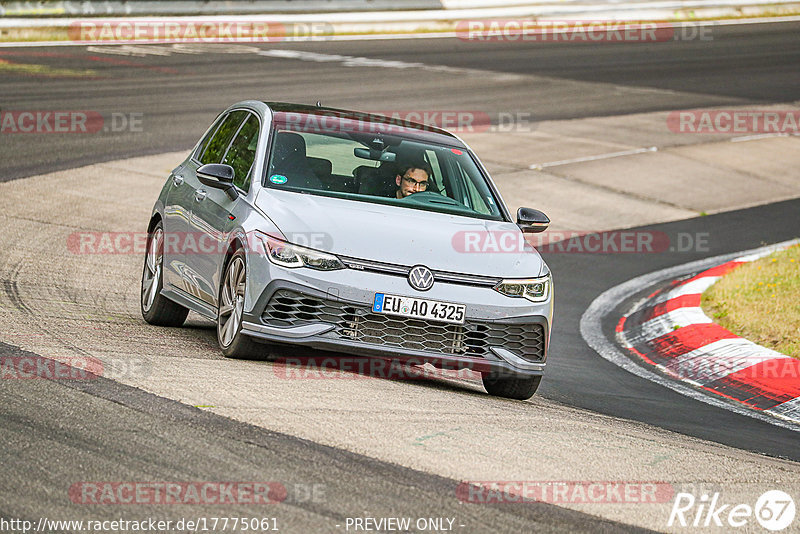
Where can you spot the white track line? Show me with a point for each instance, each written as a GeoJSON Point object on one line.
{"type": "Point", "coordinates": [592, 331]}
{"type": "Point", "coordinates": [540, 166]}
{"type": "Point", "coordinates": [757, 136]}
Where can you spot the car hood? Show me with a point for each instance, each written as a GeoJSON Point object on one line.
{"type": "Point", "coordinates": [401, 236]}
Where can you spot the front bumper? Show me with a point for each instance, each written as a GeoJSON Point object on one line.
{"type": "Point", "coordinates": [289, 312]}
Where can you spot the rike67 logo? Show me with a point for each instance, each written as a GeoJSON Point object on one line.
{"type": "Point", "coordinates": [774, 510]}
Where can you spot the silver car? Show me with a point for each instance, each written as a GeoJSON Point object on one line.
{"type": "Point", "coordinates": [349, 232]}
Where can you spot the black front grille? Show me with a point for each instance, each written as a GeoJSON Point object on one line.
{"type": "Point", "coordinates": [358, 323]}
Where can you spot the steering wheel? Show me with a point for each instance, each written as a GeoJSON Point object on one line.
{"type": "Point", "coordinates": [430, 197]}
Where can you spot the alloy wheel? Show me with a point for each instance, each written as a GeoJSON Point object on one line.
{"type": "Point", "coordinates": [232, 302]}
{"type": "Point", "coordinates": [152, 270]}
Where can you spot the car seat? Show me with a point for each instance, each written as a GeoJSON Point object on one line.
{"type": "Point", "coordinates": [377, 181]}
{"type": "Point", "coordinates": [289, 159]}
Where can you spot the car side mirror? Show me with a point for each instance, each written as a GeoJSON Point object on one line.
{"type": "Point", "coordinates": [219, 176]}
{"type": "Point", "coordinates": [532, 221]}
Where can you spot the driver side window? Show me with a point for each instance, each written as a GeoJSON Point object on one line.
{"type": "Point", "coordinates": [222, 138]}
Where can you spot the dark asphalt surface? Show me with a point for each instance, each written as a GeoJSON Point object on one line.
{"type": "Point", "coordinates": [178, 95]}
{"type": "Point", "coordinates": [59, 435]}
{"type": "Point", "coordinates": [113, 432]}
{"type": "Point", "coordinates": [577, 376]}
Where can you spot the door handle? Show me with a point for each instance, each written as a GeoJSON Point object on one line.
{"type": "Point", "coordinates": [200, 194]}
{"type": "Point", "coordinates": [177, 180]}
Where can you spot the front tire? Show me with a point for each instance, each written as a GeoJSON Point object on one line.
{"type": "Point", "coordinates": [157, 309]}
{"type": "Point", "coordinates": [518, 387]}
{"type": "Point", "coordinates": [232, 291]}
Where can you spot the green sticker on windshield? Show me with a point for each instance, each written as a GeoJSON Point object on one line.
{"type": "Point", "coordinates": [278, 179]}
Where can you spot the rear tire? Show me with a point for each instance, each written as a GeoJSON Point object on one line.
{"type": "Point", "coordinates": [157, 309]}
{"type": "Point", "coordinates": [518, 388]}
{"type": "Point", "coordinates": [232, 290]}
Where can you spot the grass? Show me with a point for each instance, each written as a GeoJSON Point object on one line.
{"type": "Point", "coordinates": [760, 301]}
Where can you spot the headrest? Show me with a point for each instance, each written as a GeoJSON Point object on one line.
{"type": "Point", "coordinates": [289, 146]}
{"type": "Point", "coordinates": [320, 166]}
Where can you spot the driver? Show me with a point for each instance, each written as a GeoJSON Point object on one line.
{"type": "Point", "coordinates": [412, 179]}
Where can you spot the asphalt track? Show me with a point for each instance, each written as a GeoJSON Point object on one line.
{"type": "Point", "coordinates": [180, 93]}
{"type": "Point", "coordinates": [100, 431]}
{"type": "Point", "coordinates": [577, 379]}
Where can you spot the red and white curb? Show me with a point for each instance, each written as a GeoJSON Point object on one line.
{"type": "Point", "coordinates": [668, 339]}
{"type": "Point", "coordinates": [670, 331]}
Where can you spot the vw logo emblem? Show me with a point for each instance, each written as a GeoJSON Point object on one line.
{"type": "Point", "coordinates": [420, 278]}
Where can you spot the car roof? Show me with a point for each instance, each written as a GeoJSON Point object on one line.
{"type": "Point", "coordinates": [413, 130]}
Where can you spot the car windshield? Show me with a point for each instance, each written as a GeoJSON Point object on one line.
{"type": "Point", "coordinates": [381, 166]}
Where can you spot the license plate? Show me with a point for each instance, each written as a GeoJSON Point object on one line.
{"type": "Point", "coordinates": [419, 308]}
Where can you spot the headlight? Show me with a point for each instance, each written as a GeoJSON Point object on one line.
{"type": "Point", "coordinates": [533, 289]}
{"type": "Point", "coordinates": [293, 256]}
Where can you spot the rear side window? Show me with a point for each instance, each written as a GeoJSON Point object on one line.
{"type": "Point", "coordinates": [219, 143]}
{"type": "Point", "coordinates": [242, 153]}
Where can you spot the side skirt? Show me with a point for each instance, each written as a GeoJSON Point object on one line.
{"type": "Point", "coordinates": [188, 301]}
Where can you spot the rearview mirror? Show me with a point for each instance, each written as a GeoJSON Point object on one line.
{"type": "Point", "coordinates": [532, 221]}
{"type": "Point", "coordinates": [219, 176]}
{"type": "Point", "coordinates": [374, 155]}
